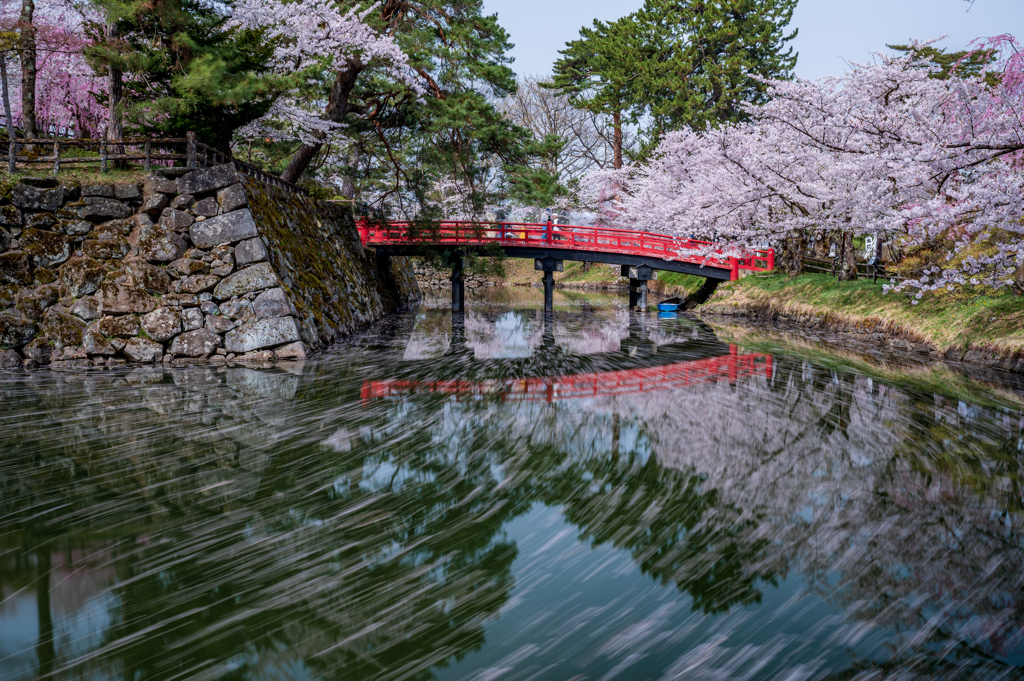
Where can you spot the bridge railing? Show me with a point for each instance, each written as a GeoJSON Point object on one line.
{"type": "Point", "coordinates": [568, 237]}
{"type": "Point", "coordinates": [731, 367]}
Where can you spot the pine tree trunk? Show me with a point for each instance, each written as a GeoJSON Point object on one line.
{"type": "Point", "coordinates": [848, 261]}
{"type": "Point", "coordinates": [617, 139]}
{"type": "Point", "coordinates": [9, 119]}
{"type": "Point", "coordinates": [28, 68]}
{"type": "Point", "coordinates": [115, 128]}
{"type": "Point", "coordinates": [337, 108]}
{"type": "Point", "coordinates": [348, 184]}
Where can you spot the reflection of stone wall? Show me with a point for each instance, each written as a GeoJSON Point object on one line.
{"type": "Point", "coordinates": [181, 272]}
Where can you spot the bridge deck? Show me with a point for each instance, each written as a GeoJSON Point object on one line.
{"type": "Point", "coordinates": [567, 242]}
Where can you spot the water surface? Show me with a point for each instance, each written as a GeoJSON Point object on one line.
{"type": "Point", "coordinates": [590, 495]}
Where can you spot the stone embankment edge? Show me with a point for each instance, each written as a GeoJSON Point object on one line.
{"type": "Point", "coordinates": [885, 334]}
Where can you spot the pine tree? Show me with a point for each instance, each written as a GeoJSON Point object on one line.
{"type": "Point", "coordinates": [711, 55]}
{"type": "Point", "coordinates": [406, 140]}
{"type": "Point", "coordinates": [962, 64]}
{"type": "Point", "coordinates": [600, 72]}
{"type": "Point", "coordinates": [187, 69]}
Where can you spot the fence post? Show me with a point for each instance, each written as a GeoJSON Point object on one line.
{"type": "Point", "coordinates": [735, 274]}
{"type": "Point", "coordinates": [56, 157]}
{"type": "Point", "coordinates": [190, 150]}
{"type": "Point", "coordinates": [103, 156]}
{"type": "Point", "coordinates": [148, 154]}
{"type": "Point", "coordinates": [12, 150]}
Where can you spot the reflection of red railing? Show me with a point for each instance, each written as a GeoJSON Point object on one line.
{"type": "Point", "coordinates": [729, 367]}
{"type": "Point", "coordinates": [563, 237]}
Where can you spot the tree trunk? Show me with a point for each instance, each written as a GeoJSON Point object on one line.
{"type": "Point", "coordinates": [28, 68]}
{"type": "Point", "coordinates": [115, 128]}
{"type": "Point", "coordinates": [348, 183]}
{"type": "Point", "coordinates": [791, 255]}
{"type": "Point", "coordinates": [617, 139]}
{"type": "Point", "coordinates": [337, 108]}
{"type": "Point", "coordinates": [848, 260]}
{"type": "Point", "coordinates": [9, 119]}
{"type": "Point", "coordinates": [821, 246]}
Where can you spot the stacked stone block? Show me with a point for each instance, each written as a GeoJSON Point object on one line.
{"type": "Point", "coordinates": [161, 271]}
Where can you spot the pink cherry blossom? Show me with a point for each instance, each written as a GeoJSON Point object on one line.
{"type": "Point", "coordinates": [882, 150]}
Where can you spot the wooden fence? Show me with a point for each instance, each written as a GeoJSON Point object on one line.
{"type": "Point", "coordinates": [863, 269]}
{"type": "Point", "coordinates": [151, 152]}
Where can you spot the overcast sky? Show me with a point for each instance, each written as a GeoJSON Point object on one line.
{"type": "Point", "coordinates": [831, 31]}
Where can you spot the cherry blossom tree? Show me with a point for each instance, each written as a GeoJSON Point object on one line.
{"type": "Point", "coordinates": [317, 33]}
{"type": "Point", "coordinates": [884, 148]}
{"type": "Point", "coordinates": [67, 91]}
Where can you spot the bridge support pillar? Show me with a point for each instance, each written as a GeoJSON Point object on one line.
{"type": "Point", "coordinates": [549, 266]}
{"type": "Point", "coordinates": [638, 278]}
{"type": "Point", "coordinates": [458, 286]}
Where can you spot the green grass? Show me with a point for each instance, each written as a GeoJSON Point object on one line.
{"type": "Point", "coordinates": [979, 318]}
{"type": "Point", "coordinates": [81, 174]}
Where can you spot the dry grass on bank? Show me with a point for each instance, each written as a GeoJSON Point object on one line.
{"type": "Point", "coordinates": [75, 174]}
{"type": "Point", "coordinates": [994, 320]}
{"type": "Point", "coordinates": [520, 272]}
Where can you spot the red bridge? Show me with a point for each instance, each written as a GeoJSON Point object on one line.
{"type": "Point", "coordinates": [638, 253]}
{"type": "Point", "coordinates": [729, 368]}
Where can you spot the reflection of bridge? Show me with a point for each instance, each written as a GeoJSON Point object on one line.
{"type": "Point", "coordinates": [729, 367]}
{"type": "Point", "coordinates": [638, 253]}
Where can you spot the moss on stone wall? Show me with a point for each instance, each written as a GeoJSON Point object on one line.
{"type": "Point", "coordinates": [334, 283]}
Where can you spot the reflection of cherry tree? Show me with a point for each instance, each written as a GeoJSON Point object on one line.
{"type": "Point", "coordinates": [832, 473]}
{"type": "Point", "coordinates": [265, 520]}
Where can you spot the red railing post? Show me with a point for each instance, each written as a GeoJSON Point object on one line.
{"type": "Point", "coordinates": [364, 231]}
{"type": "Point", "coordinates": [735, 274]}
{"type": "Point", "coordinates": [771, 259]}
{"type": "Point", "coordinates": [548, 232]}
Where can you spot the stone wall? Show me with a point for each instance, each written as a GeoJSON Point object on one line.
{"type": "Point", "coordinates": [332, 282]}
{"type": "Point", "coordinates": [213, 267]}
{"type": "Point", "coordinates": [431, 277]}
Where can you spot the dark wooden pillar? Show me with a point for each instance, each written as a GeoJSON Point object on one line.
{"type": "Point", "coordinates": [549, 266]}
{"type": "Point", "coordinates": [638, 278]}
{"type": "Point", "coordinates": [458, 287]}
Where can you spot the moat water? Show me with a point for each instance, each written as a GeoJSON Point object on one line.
{"type": "Point", "coordinates": [590, 495]}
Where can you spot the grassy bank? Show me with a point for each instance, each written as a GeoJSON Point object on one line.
{"type": "Point", "coordinates": [993, 322]}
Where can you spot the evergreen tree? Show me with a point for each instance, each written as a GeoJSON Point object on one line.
{"type": "Point", "coordinates": [711, 55]}
{"type": "Point", "coordinates": [963, 64]}
{"type": "Point", "coordinates": [600, 72]}
{"type": "Point", "coordinates": [408, 141]}
{"type": "Point", "coordinates": [187, 68]}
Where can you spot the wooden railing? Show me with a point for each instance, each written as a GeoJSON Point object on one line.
{"type": "Point", "coordinates": [152, 152]}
